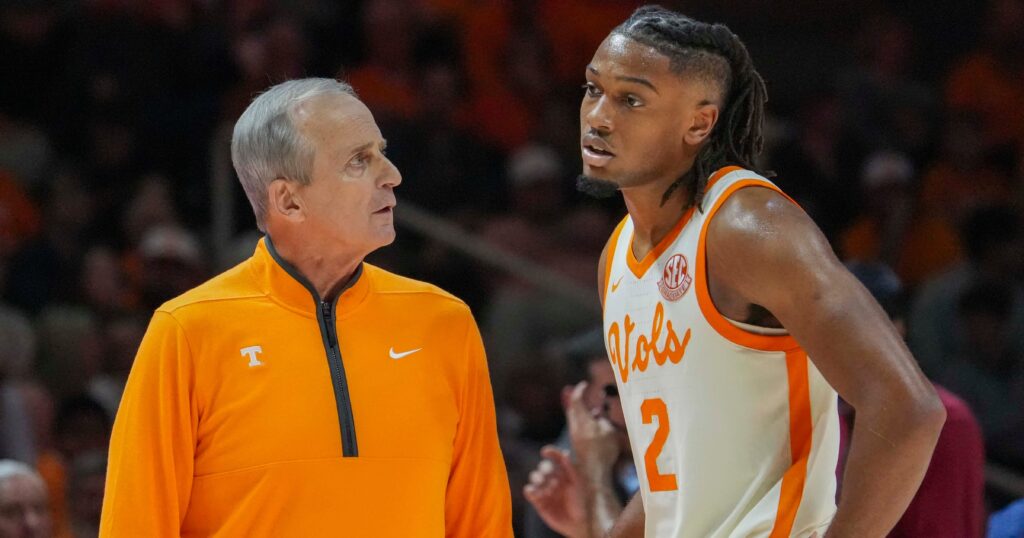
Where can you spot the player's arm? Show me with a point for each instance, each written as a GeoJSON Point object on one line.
{"type": "Point", "coordinates": [767, 251]}
{"type": "Point", "coordinates": [149, 476]}
{"type": "Point", "coordinates": [478, 501]}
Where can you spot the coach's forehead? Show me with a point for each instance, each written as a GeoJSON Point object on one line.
{"type": "Point", "coordinates": [332, 117]}
{"type": "Point", "coordinates": [328, 109]}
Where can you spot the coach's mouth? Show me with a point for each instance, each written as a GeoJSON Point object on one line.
{"type": "Point", "coordinates": [386, 210]}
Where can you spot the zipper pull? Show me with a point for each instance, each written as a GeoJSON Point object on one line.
{"type": "Point", "coordinates": [325, 307]}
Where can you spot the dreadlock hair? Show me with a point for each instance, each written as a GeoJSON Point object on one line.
{"type": "Point", "coordinates": [714, 53]}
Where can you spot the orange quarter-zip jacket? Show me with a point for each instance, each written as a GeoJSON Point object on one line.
{"type": "Point", "coordinates": [256, 409]}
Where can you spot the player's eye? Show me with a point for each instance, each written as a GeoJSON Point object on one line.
{"type": "Point", "coordinates": [591, 89]}
{"type": "Point", "coordinates": [633, 101]}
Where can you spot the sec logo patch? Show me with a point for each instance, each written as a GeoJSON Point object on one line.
{"type": "Point", "coordinates": [675, 279]}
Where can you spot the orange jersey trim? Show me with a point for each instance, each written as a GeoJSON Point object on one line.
{"type": "Point", "coordinates": [613, 244]}
{"type": "Point", "coordinates": [800, 428]}
{"type": "Point", "coordinates": [722, 172]}
{"type": "Point", "coordinates": [639, 268]}
{"type": "Point", "coordinates": [724, 327]}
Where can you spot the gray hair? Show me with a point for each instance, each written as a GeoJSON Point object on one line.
{"type": "Point", "coordinates": [13, 468]}
{"type": "Point", "coordinates": [266, 145]}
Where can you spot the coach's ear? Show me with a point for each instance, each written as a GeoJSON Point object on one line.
{"type": "Point", "coordinates": [285, 200]}
{"type": "Point", "coordinates": [701, 124]}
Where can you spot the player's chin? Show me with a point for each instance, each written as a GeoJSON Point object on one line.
{"type": "Point", "coordinates": [596, 172]}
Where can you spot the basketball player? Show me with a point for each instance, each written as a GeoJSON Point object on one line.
{"type": "Point", "coordinates": [729, 321]}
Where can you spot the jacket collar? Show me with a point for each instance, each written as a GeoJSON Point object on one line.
{"type": "Point", "coordinates": [284, 283]}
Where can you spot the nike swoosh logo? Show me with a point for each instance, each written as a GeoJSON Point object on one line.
{"type": "Point", "coordinates": [615, 285]}
{"type": "Point", "coordinates": [394, 355]}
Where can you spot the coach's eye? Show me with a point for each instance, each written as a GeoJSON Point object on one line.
{"type": "Point", "coordinates": [591, 89]}
{"type": "Point", "coordinates": [359, 162]}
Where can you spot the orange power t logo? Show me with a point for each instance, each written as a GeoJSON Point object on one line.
{"type": "Point", "coordinates": [620, 346]}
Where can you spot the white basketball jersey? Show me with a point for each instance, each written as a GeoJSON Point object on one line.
{"type": "Point", "coordinates": [734, 431]}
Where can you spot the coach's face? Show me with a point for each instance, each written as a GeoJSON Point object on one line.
{"type": "Point", "coordinates": [639, 122]}
{"type": "Point", "coordinates": [350, 201]}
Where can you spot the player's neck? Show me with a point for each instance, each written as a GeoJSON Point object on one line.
{"type": "Point", "coordinates": [653, 219]}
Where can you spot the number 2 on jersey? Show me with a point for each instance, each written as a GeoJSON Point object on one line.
{"type": "Point", "coordinates": [650, 408]}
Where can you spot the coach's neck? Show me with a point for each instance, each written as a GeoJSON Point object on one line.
{"type": "Point", "coordinates": [328, 267]}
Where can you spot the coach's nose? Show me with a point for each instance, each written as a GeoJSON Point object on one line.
{"type": "Point", "coordinates": [390, 177]}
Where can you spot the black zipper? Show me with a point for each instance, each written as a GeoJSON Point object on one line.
{"type": "Point", "coordinates": [349, 447]}
{"type": "Point", "coordinates": [325, 316]}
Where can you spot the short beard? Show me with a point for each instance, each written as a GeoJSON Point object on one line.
{"type": "Point", "coordinates": [597, 188]}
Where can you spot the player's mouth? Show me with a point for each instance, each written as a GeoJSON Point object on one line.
{"type": "Point", "coordinates": [595, 151]}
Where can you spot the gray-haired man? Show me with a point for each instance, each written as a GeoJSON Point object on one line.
{"type": "Point", "coordinates": [304, 392]}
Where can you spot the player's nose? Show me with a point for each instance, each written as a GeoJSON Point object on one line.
{"type": "Point", "coordinates": [599, 116]}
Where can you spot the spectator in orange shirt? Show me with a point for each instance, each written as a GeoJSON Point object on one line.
{"type": "Point", "coordinates": [990, 81]}
{"type": "Point", "coordinates": [963, 177]}
{"type": "Point", "coordinates": [19, 219]}
{"type": "Point", "coordinates": [893, 230]}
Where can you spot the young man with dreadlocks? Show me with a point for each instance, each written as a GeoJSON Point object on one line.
{"type": "Point", "coordinates": [728, 318]}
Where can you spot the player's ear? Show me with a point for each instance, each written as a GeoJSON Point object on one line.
{"type": "Point", "coordinates": [285, 200]}
{"type": "Point", "coordinates": [703, 122]}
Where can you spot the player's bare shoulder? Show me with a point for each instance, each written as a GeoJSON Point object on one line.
{"type": "Point", "coordinates": [761, 225]}
{"type": "Point", "coordinates": [754, 218]}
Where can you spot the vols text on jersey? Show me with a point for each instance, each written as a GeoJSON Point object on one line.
{"type": "Point", "coordinates": [620, 345]}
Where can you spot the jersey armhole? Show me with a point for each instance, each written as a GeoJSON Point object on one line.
{"type": "Point", "coordinates": [725, 328]}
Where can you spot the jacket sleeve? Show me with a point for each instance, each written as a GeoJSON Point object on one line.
{"type": "Point", "coordinates": [478, 501]}
{"type": "Point", "coordinates": [149, 475]}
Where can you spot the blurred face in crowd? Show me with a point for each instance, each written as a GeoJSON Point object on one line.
{"type": "Point", "coordinates": [641, 123]}
{"type": "Point", "coordinates": [599, 375]}
{"type": "Point", "coordinates": [350, 201]}
{"type": "Point", "coordinates": [24, 509]}
{"type": "Point", "coordinates": [602, 398]}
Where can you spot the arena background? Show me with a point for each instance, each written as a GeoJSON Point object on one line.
{"type": "Point", "coordinates": [897, 126]}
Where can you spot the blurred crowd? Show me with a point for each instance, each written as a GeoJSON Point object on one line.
{"type": "Point", "coordinates": [899, 130]}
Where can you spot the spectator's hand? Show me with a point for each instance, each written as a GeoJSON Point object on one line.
{"type": "Point", "coordinates": [593, 436]}
{"type": "Point", "coordinates": [557, 495]}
